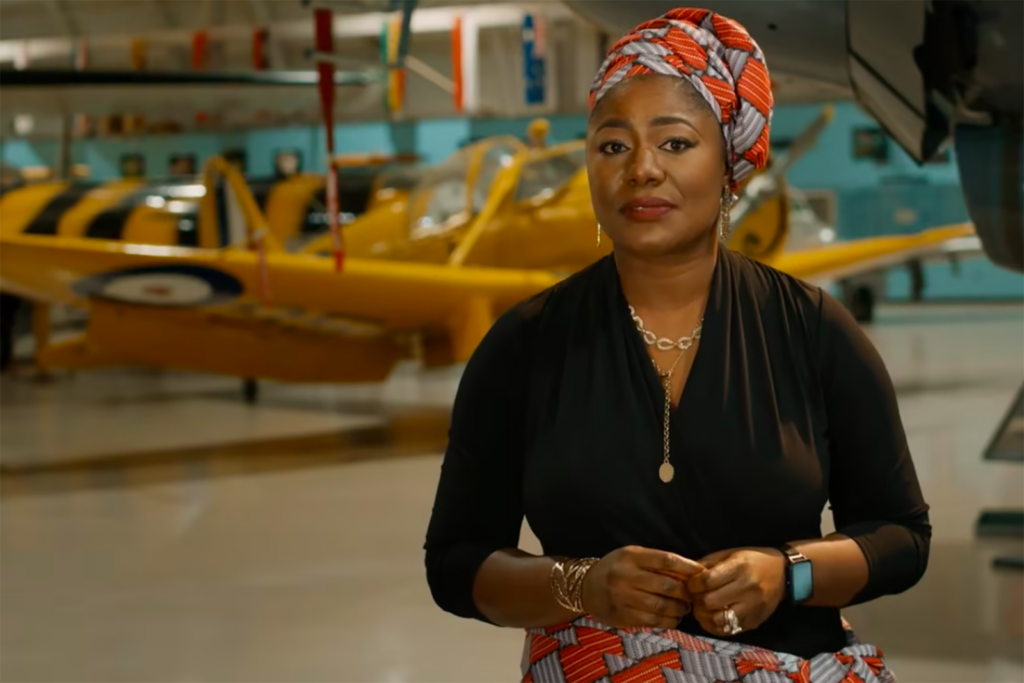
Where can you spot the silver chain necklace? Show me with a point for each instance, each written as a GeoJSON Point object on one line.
{"type": "Point", "coordinates": [664, 343]}
{"type": "Point", "coordinates": [666, 472]}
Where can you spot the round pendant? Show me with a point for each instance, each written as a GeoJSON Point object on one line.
{"type": "Point", "coordinates": [666, 472]}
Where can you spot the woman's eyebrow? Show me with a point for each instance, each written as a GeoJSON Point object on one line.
{"type": "Point", "coordinates": [614, 123]}
{"type": "Point", "coordinates": [671, 121]}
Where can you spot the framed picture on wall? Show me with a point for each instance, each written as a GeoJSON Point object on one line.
{"type": "Point", "coordinates": [182, 165]}
{"type": "Point", "coordinates": [237, 158]}
{"type": "Point", "coordinates": [133, 165]}
{"type": "Point", "coordinates": [870, 142]}
{"type": "Point", "coordinates": [287, 162]}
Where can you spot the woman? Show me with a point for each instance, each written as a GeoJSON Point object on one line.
{"type": "Point", "coordinates": [673, 419]}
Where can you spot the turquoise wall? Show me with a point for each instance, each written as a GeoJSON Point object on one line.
{"type": "Point", "coordinates": [433, 140]}
{"type": "Point", "coordinates": [872, 198]}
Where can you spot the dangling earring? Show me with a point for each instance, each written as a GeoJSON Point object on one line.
{"type": "Point", "coordinates": [724, 228]}
{"type": "Point", "coordinates": [598, 234]}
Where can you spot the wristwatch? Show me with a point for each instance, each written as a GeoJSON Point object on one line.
{"type": "Point", "coordinates": [799, 576]}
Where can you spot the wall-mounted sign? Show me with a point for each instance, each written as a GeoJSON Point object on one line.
{"type": "Point", "coordinates": [133, 165]}
{"type": "Point", "coordinates": [870, 143]}
{"type": "Point", "coordinates": [182, 165]}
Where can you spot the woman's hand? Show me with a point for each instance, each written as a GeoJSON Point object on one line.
{"type": "Point", "coordinates": [635, 586]}
{"type": "Point", "coordinates": [750, 581]}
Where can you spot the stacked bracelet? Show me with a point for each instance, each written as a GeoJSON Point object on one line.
{"type": "Point", "coordinates": [567, 582]}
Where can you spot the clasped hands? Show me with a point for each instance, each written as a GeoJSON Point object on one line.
{"type": "Point", "coordinates": [641, 587]}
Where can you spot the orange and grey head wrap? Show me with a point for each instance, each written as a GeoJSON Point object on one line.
{"type": "Point", "coordinates": [720, 59]}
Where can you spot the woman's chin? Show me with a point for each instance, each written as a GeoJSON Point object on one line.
{"type": "Point", "coordinates": [653, 243]}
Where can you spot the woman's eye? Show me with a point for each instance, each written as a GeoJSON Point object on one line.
{"type": "Point", "coordinates": [612, 147]}
{"type": "Point", "coordinates": [677, 145]}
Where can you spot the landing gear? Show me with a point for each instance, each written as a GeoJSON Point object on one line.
{"type": "Point", "coordinates": [250, 390]}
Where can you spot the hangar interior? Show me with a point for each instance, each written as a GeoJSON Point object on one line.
{"type": "Point", "coordinates": [233, 333]}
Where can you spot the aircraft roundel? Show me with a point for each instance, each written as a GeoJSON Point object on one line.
{"type": "Point", "coordinates": [180, 286]}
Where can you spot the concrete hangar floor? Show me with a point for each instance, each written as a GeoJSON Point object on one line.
{"type": "Point", "coordinates": [156, 528]}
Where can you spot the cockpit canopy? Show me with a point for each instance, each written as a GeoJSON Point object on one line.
{"type": "Point", "coordinates": [453, 192]}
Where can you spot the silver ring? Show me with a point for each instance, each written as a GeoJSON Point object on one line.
{"type": "Point", "coordinates": [732, 626]}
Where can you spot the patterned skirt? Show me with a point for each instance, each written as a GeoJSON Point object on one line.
{"type": "Point", "coordinates": [585, 651]}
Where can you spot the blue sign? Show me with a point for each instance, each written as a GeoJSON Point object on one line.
{"type": "Point", "coordinates": [534, 62]}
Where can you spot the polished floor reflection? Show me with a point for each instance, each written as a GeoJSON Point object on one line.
{"type": "Point", "coordinates": [154, 528]}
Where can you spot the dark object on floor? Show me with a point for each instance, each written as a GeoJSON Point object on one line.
{"type": "Point", "coordinates": [1009, 562]}
{"type": "Point", "coordinates": [1000, 523]}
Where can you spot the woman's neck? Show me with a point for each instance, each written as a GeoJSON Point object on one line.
{"type": "Point", "coordinates": [667, 283]}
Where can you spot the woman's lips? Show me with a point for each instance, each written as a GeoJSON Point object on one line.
{"type": "Point", "coordinates": [648, 209]}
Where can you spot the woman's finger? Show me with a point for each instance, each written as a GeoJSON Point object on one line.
{"type": "Point", "coordinates": [668, 563]}
{"type": "Point", "coordinates": [717, 576]}
{"type": "Point", "coordinates": [723, 597]}
{"type": "Point", "coordinates": [720, 618]}
{"type": "Point", "coordinates": [706, 619]}
{"type": "Point", "coordinates": [660, 584]}
{"type": "Point", "coordinates": [656, 604]}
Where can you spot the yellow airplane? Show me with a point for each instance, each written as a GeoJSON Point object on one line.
{"type": "Point", "coordinates": [426, 274]}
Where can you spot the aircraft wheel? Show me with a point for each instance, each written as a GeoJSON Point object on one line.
{"type": "Point", "coordinates": [250, 391]}
{"type": "Point", "coordinates": [862, 305]}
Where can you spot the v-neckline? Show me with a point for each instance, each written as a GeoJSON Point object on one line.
{"type": "Point", "coordinates": [709, 329]}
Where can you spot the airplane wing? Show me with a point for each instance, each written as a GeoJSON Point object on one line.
{"type": "Point", "coordinates": [173, 289]}
{"type": "Point", "coordinates": [845, 259]}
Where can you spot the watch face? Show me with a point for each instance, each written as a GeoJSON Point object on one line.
{"type": "Point", "coordinates": [803, 581]}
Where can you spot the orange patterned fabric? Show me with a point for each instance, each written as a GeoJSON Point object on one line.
{"type": "Point", "coordinates": [587, 651]}
{"type": "Point", "coordinates": [720, 59]}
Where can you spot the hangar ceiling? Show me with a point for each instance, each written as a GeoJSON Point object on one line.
{"type": "Point", "coordinates": [50, 34]}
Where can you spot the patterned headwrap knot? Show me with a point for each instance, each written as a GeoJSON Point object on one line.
{"type": "Point", "coordinates": [720, 59]}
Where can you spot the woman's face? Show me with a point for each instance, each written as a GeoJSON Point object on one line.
{"type": "Point", "coordinates": [656, 165]}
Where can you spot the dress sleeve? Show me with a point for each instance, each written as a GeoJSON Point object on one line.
{"type": "Point", "coordinates": [478, 504]}
{"type": "Point", "coordinates": [873, 487]}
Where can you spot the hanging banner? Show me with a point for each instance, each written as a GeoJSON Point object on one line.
{"type": "Point", "coordinates": [465, 52]}
{"type": "Point", "coordinates": [457, 64]}
{"type": "Point", "coordinates": [138, 54]}
{"type": "Point", "coordinates": [259, 49]}
{"type": "Point", "coordinates": [323, 24]}
{"type": "Point", "coordinates": [199, 42]}
{"type": "Point", "coordinates": [82, 122]}
{"type": "Point", "coordinates": [534, 37]}
{"type": "Point", "coordinates": [394, 92]}
{"type": "Point", "coordinates": [82, 55]}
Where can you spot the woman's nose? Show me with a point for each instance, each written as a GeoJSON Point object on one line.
{"type": "Point", "coordinates": [645, 169]}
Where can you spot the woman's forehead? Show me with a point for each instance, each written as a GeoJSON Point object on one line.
{"type": "Point", "coordinates": [651, 96]}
